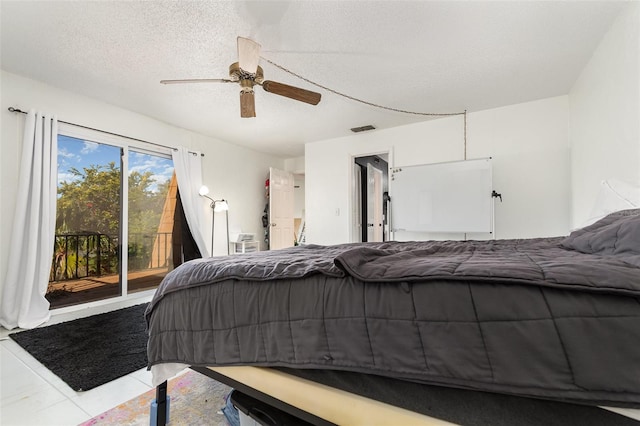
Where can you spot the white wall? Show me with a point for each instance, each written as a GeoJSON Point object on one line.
{"type": "Point", "coordinates": [604, 115]}
{"type": "Point", "coordinates": [528, 144]}
{"type": "Point", "coordinates": [294, 165]}
{"type": "Point", "coordinates": [231, 172]}
{"type": "Point", "coordinates": [298, 195]}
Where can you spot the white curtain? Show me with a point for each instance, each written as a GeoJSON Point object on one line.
{"type": "Point", "coordinates": [188, 167]}
{"type": "Point", "coordinates": [23, 302]}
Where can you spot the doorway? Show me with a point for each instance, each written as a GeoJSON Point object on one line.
{"type": "Point", "coordinates": [371, 189]}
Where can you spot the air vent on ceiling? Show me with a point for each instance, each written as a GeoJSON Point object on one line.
{"type": "Point", "coordinates": [363, 128]}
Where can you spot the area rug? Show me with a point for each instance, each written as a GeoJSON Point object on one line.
{"type": "Point", "coordinates": [91, 351]}
{"type": "Point", "coordinates": [195, 400]}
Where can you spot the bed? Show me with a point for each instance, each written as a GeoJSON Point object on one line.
{"type": "Point", "coordinates": [552, 318]}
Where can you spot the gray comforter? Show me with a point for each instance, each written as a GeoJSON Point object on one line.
{"type": "Point", "coordinates": [551, 317]}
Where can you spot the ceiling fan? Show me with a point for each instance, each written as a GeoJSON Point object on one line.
{"type": "Point", "coordinates": [248, 73]}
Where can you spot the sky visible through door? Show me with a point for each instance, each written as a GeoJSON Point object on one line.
{"type": "Point", "coordinates": [77, 153]}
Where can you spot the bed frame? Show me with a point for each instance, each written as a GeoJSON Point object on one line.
{"type": "Point", "coordinates": [320, 399]}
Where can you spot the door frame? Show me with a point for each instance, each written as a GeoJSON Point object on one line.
{"type": "Point", "coordinates": [354, 199]}
{"type": "Point", "coordinates": [126, 145]}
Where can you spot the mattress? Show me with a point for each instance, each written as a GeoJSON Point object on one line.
{"type": "Point", "coordinates": [554, 318]}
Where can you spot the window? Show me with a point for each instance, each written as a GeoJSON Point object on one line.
{"type": "Point", "coordinates": [98, 254]}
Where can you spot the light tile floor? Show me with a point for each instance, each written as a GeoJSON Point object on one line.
{"type": "Point", "coordinates": [31, 395]}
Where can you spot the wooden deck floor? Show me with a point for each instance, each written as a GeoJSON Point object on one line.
{"type": "Point", "coordinates": [72, 292]}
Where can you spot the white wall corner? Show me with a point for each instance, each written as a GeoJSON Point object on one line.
{"type": "Point", "coordinates": [604, 111]}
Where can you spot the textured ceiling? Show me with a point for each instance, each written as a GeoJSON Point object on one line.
{"type": "Point", "coordinates": [436, 56]}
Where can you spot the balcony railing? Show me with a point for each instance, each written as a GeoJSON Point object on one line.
{"type": "Point", "coordinates": [83, 255]}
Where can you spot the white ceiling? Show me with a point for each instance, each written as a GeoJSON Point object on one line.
{"type": "Point", "coordinates": [436, 56]}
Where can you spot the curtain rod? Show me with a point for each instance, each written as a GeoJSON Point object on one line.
{"type": "Point", "coordinates": [12, 109]}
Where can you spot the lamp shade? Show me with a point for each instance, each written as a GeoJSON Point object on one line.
{"type": "Point", "coordinates": [220, 206]}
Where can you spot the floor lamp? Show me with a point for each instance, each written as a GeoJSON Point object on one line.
{"type": "Point", "coordinates": [216, 206]}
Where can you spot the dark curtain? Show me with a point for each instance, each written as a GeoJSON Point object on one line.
{"type": "Point", "coordinates": [184, 246]}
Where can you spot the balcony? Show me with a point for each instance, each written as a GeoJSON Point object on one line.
{"type": "Point", "coordinates": [86, 266]}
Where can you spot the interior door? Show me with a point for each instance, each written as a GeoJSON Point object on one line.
{"type": "Point", "coordinates": [281, 229]}
{"type": "Point", "coordinates": [374, 204]}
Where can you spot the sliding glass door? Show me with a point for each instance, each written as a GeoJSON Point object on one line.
{"type": "Point", "coordinates": [152, 204]}
{"type": "Point", "coordinates": [116, 219]}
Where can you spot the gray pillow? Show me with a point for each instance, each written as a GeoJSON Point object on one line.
{"type": "Point", "coordinates": [616, 233]}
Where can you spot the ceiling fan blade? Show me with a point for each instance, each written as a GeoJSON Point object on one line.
{"type": "Point", "coordinates": [291, 92]}
{"type": "Point", "coordinates": [247, 104]}
{"type": "Point", "coordinates": [198, 80]}
{"type": "Point", "coordinates": [248, 54]}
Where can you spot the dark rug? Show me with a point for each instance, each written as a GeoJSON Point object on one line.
{"type": "Point", "coordinates": [92, 351]}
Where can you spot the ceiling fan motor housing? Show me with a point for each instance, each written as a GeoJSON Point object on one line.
{"type": "Point", "coordinates": [246, 79]}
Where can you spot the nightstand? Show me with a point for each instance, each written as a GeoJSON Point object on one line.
{"type": "Point", "coordinates": [237, 247]}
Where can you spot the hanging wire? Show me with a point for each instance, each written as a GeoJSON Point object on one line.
{"type": "Point", "coordinates": [432, 114]}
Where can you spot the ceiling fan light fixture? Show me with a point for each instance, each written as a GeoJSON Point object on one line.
{"type": "Point", "coordinates": [246, 86]}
